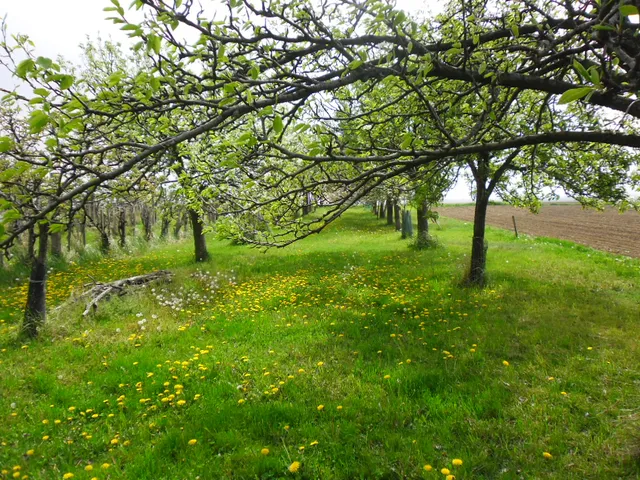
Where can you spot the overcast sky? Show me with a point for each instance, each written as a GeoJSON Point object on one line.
{"type": "Point", "coordinates": [59, 27]}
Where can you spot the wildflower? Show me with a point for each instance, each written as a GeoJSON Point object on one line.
{"type": "Point", "coordinates": [320, 364]}
{"type": "Point", "coordinates": [264, 451]}
{"type": "Point", "coordinates": [30, 452]}
{"type": "Point", "coordinates": [193, 441]}
{"type": "Point", "coordinates": [387, 377]}
{"type": "Point", "coordinates": [547, 455]}
{"type": "Point", "coordinates": [339, 407]}
{"type": "Point", "coordinates": [241, 401]}
{"type": "Point", "coordinates": [450, 477]}
{"type": "Point", "coordinates": [456, 462]}
{"type": "Point", "coordinates": [445, 471]}
{"type": "Point", "coordinates": [294, 467]}
{"type": "Point", "coordinates": [505, 363]}
{"type": "Point", "coordinates": [88, 468]}
{"type": "Point", "coordinates": [104, 466]}
{"type": "Point", "coordinates": [320, 408]}
{"type": "Point", "coordinates": [68, 475]}
{"type": "Point", "coordinates": [45, 438]}
{"type": "Point", "coordinates": [314, 443]}
{"type": "Point", "coordinates": [428, 468]}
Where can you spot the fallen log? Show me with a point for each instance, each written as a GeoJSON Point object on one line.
{"type": "Point", "coordinates": [102, 291]}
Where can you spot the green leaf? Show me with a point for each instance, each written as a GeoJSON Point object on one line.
{"type": "Point", "coordinates": [24, 67]}
{"type": "Point", "coordinates": [43, 92]}
{"type": "Point", "coordinates": [11, 215]}
{"type": "Point", "coordinates": [594, 75]}
{"type": "Point", "coordinates": [627, 10]}
{"type": "Point", "coordinates": [56, 227]}
{"type": "Point", "coordinates": [65, 81]}
{"type": "Point", "coordinates": [574, 94]}
{"type": "Point", "coordinates": [44, 62]}
{"type": "Point", "coordinates": [278, 126]}
{"type": "Point", "coordinates": [355, 64]}
{"type": "Point", "coordinates": [407, 138]}
{"type": "Point", "coordinates": [38, 120]}
{"type": "Point", "coordinates": [155, 43]}
{"type": "Point", "coordinates": [581, 70]}
{"type": "Point", "coordinates": [6, 144]}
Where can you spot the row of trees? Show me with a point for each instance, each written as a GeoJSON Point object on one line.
{"type": "Point", "coordinates": [252, 108]}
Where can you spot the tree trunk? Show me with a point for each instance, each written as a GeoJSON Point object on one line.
{"type": "Point", "coordinates": [147, 222]}
{"type": "Point", "coordinates": [407, 225]}
{"type": "Point", "coordinates": [381, 211]}
{"type": "Point", "coordinates": [375, 208]}
{"type": "Point", "coordinates": [83, 231]}
{"type": "Point", "coordinates": [423, 240]}
{"type": "Point", "coordinates": [164, 229]}
{"type": "Point", "coordinates": [178, 226]}
{"type": "Point", "coordinates": [69, 235]}
{"type": "Point", "coordinates": [397, 213]}
{"type": "Point", "coordinates": [104, 241]}
{"type": "Point", "coordinates": [478, 244]}
{"type": "Point", "coordinates": [56, 244]}
{"type": "Point", "coordinates": [31, 242]}
{"type": "Point", "coordinates": [199, 241]}
{"type": "Point", "coordinates": [122, 227]}
{"type": "Point", "coordinates": [390, 211]}
{"type": "Point", "coordinates": [35, 310]}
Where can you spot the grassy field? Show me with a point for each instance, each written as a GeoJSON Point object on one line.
{"type": "Point", "coordinates": [345, 356]}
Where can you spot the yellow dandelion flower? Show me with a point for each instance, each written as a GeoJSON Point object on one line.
{"type": "Point", "coordinates": [320, 408]}
{"type": "Point", "coordinates": [457, 462]}
{"type": "Point", "coordinates": [30, 452]}
{"type": "Point", "coordinates": [193, 441]}
{"type": "Point", "coordinates": [547, 455]}
{"type": "Point", "coordinates": [387, 377]}
{"type": "Point", "coordinates": [264, 451]}
{"type": "Point", "coordinates": [104, 466]}
{"type": "Point", "coordinates": [428, 468]}
{"type": "Point", "coordinates": [445, 471]}
{"type": "Point", "coordinates": [88, 468]}
{"type": "Point", "coordinates": [450, 477]}
{"type": "Point", "coordinates": [68, 475]}
{"type": "Point", "coordinates": [505, 363]}
{"type": "Point", "coordinates": [294, 467]}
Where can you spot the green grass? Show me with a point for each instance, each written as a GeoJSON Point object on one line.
{"type": "Point", "coordinates": [247, 355]}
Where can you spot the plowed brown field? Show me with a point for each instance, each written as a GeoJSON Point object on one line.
{"type": "Point", "coordinates": [608, 230]}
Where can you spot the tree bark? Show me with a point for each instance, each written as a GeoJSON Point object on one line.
{"type": "Point", "coordinates": [104, 241]}
{"type": "Point", "coordinates": [397, 214]}
{"type": "Point", "coordinates": [381, 211]}
{"type": "Point", "coordinates": [122, 227]}
{"type": "Point", "coordinates": [477, 270]}
{"type": "Point", "coordinates": [199, 240]}
{"type": "Point", "coordinates": [83, 230]}
{"type": "Point", "coordinates": [390, 204]}
{"type": "Point", "coordinates": [164, 229]}
{"type": "Point", "coordinates": [35, 310]}
{"type": "Point", "coordinates": [147, 222]}
{"type": "Point", "coordinates": [69, 235]}
{"type": "Point", "coordinates": [375, 208]}
{"type": "Point", "coordinates": [423, 240]}
{"type": "Point", "coordinates": [56, 244]}
{"type": "Point", "coordinates": [407, 225]}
